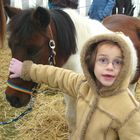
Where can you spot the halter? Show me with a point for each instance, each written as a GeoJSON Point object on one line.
{"type": "Point", "coordinates": [51, 61]}
{"type": "Point", "coordinates": [18, 88]}
{"type": "Point", "coordinates": [52, 55]}
{"type": "Point", "coordinates": [32, 92]}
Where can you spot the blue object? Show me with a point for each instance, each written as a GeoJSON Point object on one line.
{"type": "Point", "coordinates": [51, 5]}
{"type": "Point", "coordinates": [100, 9]}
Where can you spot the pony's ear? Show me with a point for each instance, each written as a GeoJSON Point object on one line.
{"type": "Point", "coordinates": [12, 11]}
{"type": "Point", "coordinates": [41, 17]}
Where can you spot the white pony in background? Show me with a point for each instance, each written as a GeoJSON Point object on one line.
{"type": "Point", "coordinates": [85, 29]}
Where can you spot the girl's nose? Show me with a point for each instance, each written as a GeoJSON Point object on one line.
{"type": "Point", "coordinates": [110, 66]}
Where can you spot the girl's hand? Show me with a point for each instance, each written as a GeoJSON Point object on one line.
{"type": "Point", "coordinates": [15, 68]}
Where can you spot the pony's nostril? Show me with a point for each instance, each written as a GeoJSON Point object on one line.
{"type": "Point", "coordinates": [15, 102]}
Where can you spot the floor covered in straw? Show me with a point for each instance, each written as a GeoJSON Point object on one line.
{"type": "Point", "coordinates": [46, 121]}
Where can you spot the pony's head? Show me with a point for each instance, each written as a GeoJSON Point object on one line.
{"type": "Point", "coordinates": [27, 42]}
{"type": "Point", "coordinates": [31, 35]}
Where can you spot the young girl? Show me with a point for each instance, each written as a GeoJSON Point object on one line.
{"type": "Point", "coordinates": [106, 109]}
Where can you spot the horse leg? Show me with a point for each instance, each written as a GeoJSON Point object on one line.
{"type": "Point", "coordinates": [70, 113]}
{"type": "Point", "coordinates": [120, 10]}
{"type": "Point", "coordinates": [71, 102]}
{"type": "Point", "coordinates": [128, 6]}
{"type": "Point", "coordinates": [132, 87]}
{"type": "Point", "coordinates": [120, 6]}
{"type": "Point", "coordinates": [137, 91]}
{"type": "Point", "coordinates": [114, 10]}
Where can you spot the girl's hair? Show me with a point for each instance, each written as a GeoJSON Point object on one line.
{"type": "Point", "coordinates": [92, 53]}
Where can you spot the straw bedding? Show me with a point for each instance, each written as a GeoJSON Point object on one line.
{"type": "Point", "coordinates": [46, 121]}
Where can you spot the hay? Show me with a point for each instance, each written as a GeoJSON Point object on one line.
{"type": "Point", "coordinates": [46, 121]}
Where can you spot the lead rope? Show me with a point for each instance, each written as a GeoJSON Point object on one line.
{"type": "Point", "coordinates": [29, 107]}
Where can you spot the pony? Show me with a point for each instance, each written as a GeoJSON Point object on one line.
{"type": "Point", "coordinates": [2, 24]}
{"type": "Point", "coordinates": [130, 26]}
{"type": "Point", "coordinates": [124, 7]}
{"type": "Point", "coordinates": [51, 37]}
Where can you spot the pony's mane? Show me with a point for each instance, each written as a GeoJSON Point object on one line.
{"type": "Point", "coordinates": [22, 27]}
{"type": "Point", "coordinates": [65, 31]}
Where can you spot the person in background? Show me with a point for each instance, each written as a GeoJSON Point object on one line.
{"type": "Point", "coordinates": [63, 4]}
{"type": "Point", "coordinates": [100, 9]}
{"type": "Point", "coordinates": [106, 109]}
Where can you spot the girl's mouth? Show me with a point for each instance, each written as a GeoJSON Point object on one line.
{"type": "Point", "coordinates": [108, 77]}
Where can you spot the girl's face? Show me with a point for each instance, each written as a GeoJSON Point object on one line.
{"type": "Point", "coordinates": [108, 63]}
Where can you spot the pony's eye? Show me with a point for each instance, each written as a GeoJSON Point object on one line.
{"type": "Point", "coordinates": [32, 51]}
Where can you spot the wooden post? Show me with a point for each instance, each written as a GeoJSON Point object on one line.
{"type": "Point", "coordinates": [2, 24]}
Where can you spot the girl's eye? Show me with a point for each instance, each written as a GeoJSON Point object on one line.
{"type": "Point", "coordinates": [118, 62]}
{"type": "Point", "coordinates": [103, 60]}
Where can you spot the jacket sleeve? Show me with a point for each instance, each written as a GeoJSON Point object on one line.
{"type": "Point", "coordinates": [131, 129]}
{"type": "Point", "coordinates": [66, 80]}
{"type": "Point", "coordinates": [108, 9]}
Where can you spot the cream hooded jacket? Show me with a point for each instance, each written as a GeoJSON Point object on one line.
{"type": "Point", "coordinates": [110, 113]}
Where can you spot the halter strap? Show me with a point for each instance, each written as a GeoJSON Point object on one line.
{"type": "Point", "coordinates": [51, 33]}
{"type": "Point", "coordinates": [18, 88]}
{"type": "Point", "coordinates": [52, 55]}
